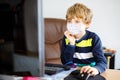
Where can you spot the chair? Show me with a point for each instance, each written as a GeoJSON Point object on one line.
{"type": "Point", "coordinates": [54, 31]}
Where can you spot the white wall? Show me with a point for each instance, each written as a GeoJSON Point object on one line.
{"type": "Point", "coordinates": [105, 20]}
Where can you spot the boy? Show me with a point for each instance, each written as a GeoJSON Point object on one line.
{"type": "Point", "coordinates": [80, 46]}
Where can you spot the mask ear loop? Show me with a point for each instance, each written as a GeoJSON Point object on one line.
{"type": "Point", "coordinates": [87, 24]}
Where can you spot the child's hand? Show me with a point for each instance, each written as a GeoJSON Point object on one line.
{"type": "Point", "coordinates": [70, 37]}
{"type": "Point", "coordinates": [90, 70]}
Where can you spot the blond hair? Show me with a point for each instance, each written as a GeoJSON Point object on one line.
{"type": "Point", "coordinates": [80, 11]}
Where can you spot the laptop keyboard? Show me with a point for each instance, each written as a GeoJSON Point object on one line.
{"type": "Point", "coordinates": [55, 68]}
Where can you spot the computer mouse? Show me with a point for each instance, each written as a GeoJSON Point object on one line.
{"type": "Point", "coordinates": [76, 75]}
{"type": "Point", "coordinates": [80, 76]}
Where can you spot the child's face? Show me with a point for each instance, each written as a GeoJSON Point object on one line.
{"type": "Point", "coordinates": [76, 26]}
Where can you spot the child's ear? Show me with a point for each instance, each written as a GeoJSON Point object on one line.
{"type": "Point", "coordinates": [88, 24]}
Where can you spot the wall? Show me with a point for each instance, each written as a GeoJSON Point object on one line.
{"type": "Point", "coordinates": [105, 21]}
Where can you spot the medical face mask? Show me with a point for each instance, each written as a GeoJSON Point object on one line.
{"type": "Point", "coordinates": [74, 28]}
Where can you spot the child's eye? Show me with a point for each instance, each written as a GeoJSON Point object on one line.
{"type": "Point", "coordinates": [77, 21]}
{"type": "Point", "coordinates": [69, 21]}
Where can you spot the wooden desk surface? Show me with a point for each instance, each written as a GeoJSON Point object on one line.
{"type": "Point", "coordinates": [111, 74]}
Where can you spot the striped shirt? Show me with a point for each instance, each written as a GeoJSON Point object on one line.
{"type": "Point", "coordinates": [86, 50]}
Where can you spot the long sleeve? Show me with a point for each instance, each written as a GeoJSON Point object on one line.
{"type": "Point", "coordinates": [100, 59]}
{"type": "Point", "coordinates": [67, 52]}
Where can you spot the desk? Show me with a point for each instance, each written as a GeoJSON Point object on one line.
{"type": "Point", "coordinates": [111, 74]}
